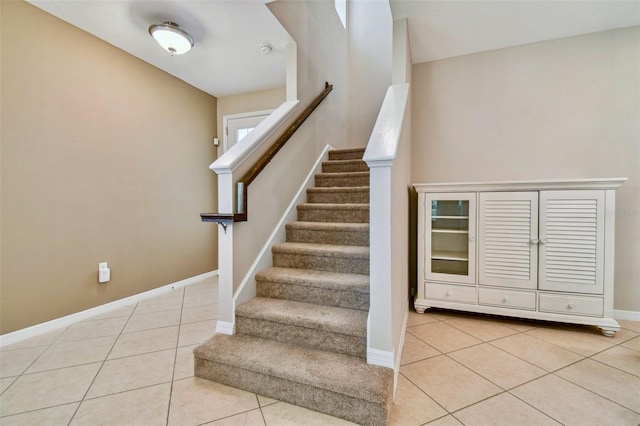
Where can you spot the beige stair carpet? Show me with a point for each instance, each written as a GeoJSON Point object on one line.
{"type": "Point", "coordinates": [303, 338]}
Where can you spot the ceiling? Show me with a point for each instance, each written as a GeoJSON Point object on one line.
{"type": "Point", "coordinates": [228, 34]}
{"type": "Point", "coordinates": [226, 58]}
{"type": "Point", "coordinates": [448, 28]}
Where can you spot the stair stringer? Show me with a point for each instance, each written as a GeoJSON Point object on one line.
{"type": "Point", "coordinates": [247, 289]}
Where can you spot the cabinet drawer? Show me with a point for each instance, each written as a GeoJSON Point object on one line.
{"type": "Point", "coordinates": [507, 298]}
{"type": "Point", "coordinates": [450, 292]}
{"type": "Point", "coordinates": [570, 304]}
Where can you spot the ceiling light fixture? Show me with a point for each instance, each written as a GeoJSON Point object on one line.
{"type": "Point", "coordinates": [171, 37]}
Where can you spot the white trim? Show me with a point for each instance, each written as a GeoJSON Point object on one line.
{"type": "Point", "coordinates": [381, 358]}
{"type": "Point", "coordinates": [38, 329]}
{"type": "Point", "coordinates": [237, 154]}
{"type": "Point", "coordinates": [264, 260]}
{"type": "Point", "coordinates": [224, 327]}
{"type": "Point", "coordinates": [536, 185]}
{"type": "Point", "coordinates": [626, 315]}
{"type": "Point", "coordinates": [396, 370]}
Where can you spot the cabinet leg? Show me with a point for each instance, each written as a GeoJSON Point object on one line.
{"type": "Point", "coordinates": [608, 332]}
{"type": "Point", "coordinates": [419, 310]}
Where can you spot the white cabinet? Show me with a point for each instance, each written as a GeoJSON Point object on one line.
{"type": "Point", "coordinates": [540, 250]}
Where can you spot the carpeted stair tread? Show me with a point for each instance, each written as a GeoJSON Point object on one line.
{"type": "Point", "coordinates": [338, 373]}
{"type": "Point", "coordinates": [356, 233]}
{"type": "Point", "coordinates": [337, 166]}
{"type": "Point", "coordinates": [327, 318]}
{"type": "Point", "coordinates": [326, 250]}
{"type": "Point", "coordinates": [346, 154]}
{"type": "Point", "coordinates": [311, 278]}
{"type": "Point", "coordinates": [338, 195]}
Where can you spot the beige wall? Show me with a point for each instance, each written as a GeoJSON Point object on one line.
{"type": "Point", "coordinates": [104, 158]}
{"type": "Point", "coordinates": [249, 102]}
{"type": "Point", "coordinates": [567, 108]}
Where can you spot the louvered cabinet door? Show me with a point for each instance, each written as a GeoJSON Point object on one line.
{"type": "Point", "coordinates": [508, 232]}
{"type": "Point", "coordinates": [572, 241]}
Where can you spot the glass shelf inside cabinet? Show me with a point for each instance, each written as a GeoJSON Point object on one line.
{"type": "Point", "coordinates": [450, 237]}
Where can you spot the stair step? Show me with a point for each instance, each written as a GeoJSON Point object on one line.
{"type": "Point", "coordinates": [339, 166]}
{"type": "Point", "coordinates": [335, 384]}
{"type": "Point", "coordinates": [343, 213]}
{"type": "Point", "coordinates": [350, 234]}
{"type": "Point", "coordinates": [342, 179]}
{"type": "Point", "coordinates": [344, 195]}
{"type": "Point", "coordinates": [319, 287]}
{"type": "Point", "coordinates": [346, 154]}
{"type": "Point", "coordinates": [327, 328]}
{"type": "Point", "coordinates": [322, 257]}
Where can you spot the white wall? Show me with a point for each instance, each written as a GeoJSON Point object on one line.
{"type": "Point", "coordinates": [567, 108]}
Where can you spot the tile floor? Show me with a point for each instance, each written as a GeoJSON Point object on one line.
{"type": "Point", "coordinates": [134, 366]}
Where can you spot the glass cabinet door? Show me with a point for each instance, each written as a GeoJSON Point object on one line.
{"type": "Point", "coordinates": [450, 237]}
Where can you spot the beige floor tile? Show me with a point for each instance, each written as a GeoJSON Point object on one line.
{"type": "Point", "coordinates": [415, 350]}
{"type": "Point", "coordinates": [198, 295]}
{"type": "Point", "coordinates": [570, 404]}
{"type": "Point", "coordinates": [581, 341]}
{"type": "Point", "coordinates": [503, 410]}
{"type": "Point", "coordinates": [419, 319]}
{"type": "Point", "coordinates": [60, 415]}
{"type": "Point", "coordinates": [124, 311]}
{"type": "Point", "coordinates": [5, 382]}
{"type": "Point", "coordinates": [482, 329]}
{"type": "Point", "coordinates": [443, 337]}
{"type": "Point", "coordinates": [48, 389]}
{"type": "Point", "coordinates": [93, 329]}
{"type": "Point", "coordinates": [184, 363]}
{"type": "Point", "coordinates": [141, 342]}
{"type": "Point", "coordinates": [264, 401]}
{"type": "Point", "coordinates": [195, 401]}
{"type": "Point", "coordinates": [499, 367]}
{"type": "Point", "coordinates": [518, 324]}
{"type": "Point", "coordinates": [538, 352]}
{"type": "Point", "coordinates": [621, 336]}
{"type": "Point", "coordinates": [630, 325]}
{"type": "Point", "coordinates": [133, 372]}
{"type": "Point", "coordinates": [196, 332]}
{"type": "Point", "coordinates": [44, 339]}
{"type": "Point", "coordinates": [199, 313]}
{"type": "Point", "coordinates": [73, 353]}
{"type": "Point", "coordinates": [633, 344]}
{"type": "Point", "coordinates": [606, 381]}
{"type": "Point", "coordinates": [445, 314]}
{"type": "Point", "coordinates": [446, 421]}
{"type": "Point", "coordinates": [250, 418]}
{"type": "Point", "coordinates": [167, 302]}
{"type": "Point", "coordinates": [147, 321]}
{"type": "Point", "coordinates": [620, 357]}
{"type": "Point", "coordinates": [283, 414]}
{"type": "Point", "coordinates": [146, 406]}
{"type": "Point", "coordinates": [412, 407]}
{"type": "Point", "coordinates": [14, 363]}
{"type": "Point", "coordinates": [450, 384]}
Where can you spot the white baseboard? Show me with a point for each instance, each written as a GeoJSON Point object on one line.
{"type": "Point", "coordinates": [381, 358]}
{"type": "Point", "coordinates": [225, 327]}
{"type": "Point", "coordinates": [38, 329]}
{"type": "Point", "coordinates": [626, 315]}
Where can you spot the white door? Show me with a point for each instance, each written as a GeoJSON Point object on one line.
{"type": "Point", "coordinates": [571, 241]}
{"type": "Point", "coordinates": [507, 239]}
{"type": "Point", "coordinates": [238, 126]}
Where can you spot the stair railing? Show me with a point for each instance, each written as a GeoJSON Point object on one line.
{"type": "Point", "coordinates": [242, 185]}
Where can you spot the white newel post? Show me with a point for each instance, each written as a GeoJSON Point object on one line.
{"type": "Point", "coordinates": [226, 308]}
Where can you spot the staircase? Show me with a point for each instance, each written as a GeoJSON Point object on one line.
{"type": "Point", "coordinates": [303, 338]}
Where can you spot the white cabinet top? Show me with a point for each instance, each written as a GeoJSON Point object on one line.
{"type": "Point", "coordinates": [524, 185]}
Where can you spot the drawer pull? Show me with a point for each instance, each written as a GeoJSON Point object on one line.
{"type": "Point", "coordinates": [571, 305]}
{"type": "Point", "coordinates": [506, 299]}
{"type": "Point", "coordinates": [449, 293]}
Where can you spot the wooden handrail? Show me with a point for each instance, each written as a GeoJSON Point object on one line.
{"type": "Point", "coordinates": [242, 185]}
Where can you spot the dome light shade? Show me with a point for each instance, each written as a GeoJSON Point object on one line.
{"type": "Point", "coordinates": [171, 37]}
